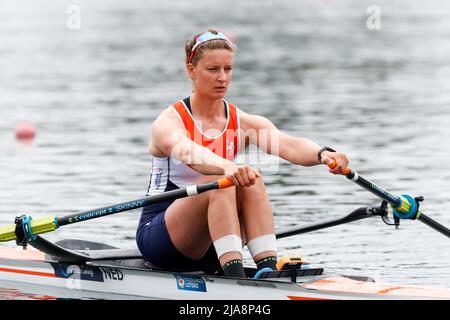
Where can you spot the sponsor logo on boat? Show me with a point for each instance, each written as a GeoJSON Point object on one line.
{"type": "Point", "coordinates": [88, 273]}
{"type": "Point", "coordinates": [112, 273]}
{"type": "Point", "coordinates": [181, 283]}
{"type": "Point", "coordinates": [190, 283]}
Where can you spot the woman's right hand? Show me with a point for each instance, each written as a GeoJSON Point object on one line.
{"type": "Point", "coordinates": [242, 175]}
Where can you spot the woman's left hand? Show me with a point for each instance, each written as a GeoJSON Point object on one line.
{"type": "Point", "coordinates": [340, 159]}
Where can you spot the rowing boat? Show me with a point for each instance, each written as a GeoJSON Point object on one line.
{"type": "Point", "coordinates": [85, 269]}
{"type": "Point", "coordinates": [123, 274]}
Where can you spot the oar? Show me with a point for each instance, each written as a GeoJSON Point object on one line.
{"type": "Point", "coordinates": [27, 228]}
{"type": "Point", "coordinates": [405, 207]}
{"type": "Point", "coordinates": [358, 214]}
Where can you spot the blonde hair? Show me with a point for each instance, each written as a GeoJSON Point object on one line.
{"type": "Point", "coordinates": [209, 45]}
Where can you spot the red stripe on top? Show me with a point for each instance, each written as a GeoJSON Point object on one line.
{"type": "Point", "coordinates": [225, 145]}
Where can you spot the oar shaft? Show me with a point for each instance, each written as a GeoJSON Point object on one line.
{"type": "Point", "coordinates": [373, 188]}
{"type": "Point", "coordinates": [395, 201]}
{"type": "Point", "coordinates": [139, 203]}
{"type": "Point", "coordinates": [51, 223]}
{"type": "Point", "coordinates": [121, 207]}
{"type": "Point", "coordinates": [433, 224]}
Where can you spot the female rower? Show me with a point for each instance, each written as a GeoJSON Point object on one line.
{"type": "Point", "coordinates": [196, 140]}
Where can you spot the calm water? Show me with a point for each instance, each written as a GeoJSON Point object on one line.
{"type": "Point", "coordinates": [312, 67]}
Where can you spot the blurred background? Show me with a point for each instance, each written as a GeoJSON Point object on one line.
{"type": "Point", "coordinates": [378, 90]}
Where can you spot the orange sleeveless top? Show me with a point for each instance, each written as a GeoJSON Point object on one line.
{"type": "Point", "coordinates": [169, 173]}
{"type": "Point", "coordinates": [226, 143]}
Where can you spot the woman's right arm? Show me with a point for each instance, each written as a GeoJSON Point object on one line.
{"type": "Point", "coordinates": [170, 138]}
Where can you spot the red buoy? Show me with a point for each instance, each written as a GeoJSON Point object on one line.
{"type": "Point", "coordinates": [25, 131]}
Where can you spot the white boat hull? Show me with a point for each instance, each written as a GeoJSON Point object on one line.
{"type": "Point", "coordinates": [108, 280]}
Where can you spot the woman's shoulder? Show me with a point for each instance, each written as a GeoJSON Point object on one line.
{"type": "Point", "coordinates": [168, 112]}
{"type": "Point", "coordinates": [167, 119]}
{"type": "Point", "coordinates": [253, 121]}
{"type": "Point", "coordinates": [233, 105]}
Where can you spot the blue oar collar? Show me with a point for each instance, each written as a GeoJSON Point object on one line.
{"type": "Point", "coordinates": [400, 212]}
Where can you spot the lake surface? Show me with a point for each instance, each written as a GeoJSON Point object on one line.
{"type": "Point", "coordinates": [313, 67]}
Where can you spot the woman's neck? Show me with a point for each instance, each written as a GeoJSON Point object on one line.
{"type": "Point", "coordinates": [204, 108]}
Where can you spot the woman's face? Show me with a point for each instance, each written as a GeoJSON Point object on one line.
{"type": "Point", "coordinates": [213, 73]}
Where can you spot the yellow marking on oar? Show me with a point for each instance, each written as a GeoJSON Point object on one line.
{"type": "Point", "coordinates": [8, 233]}
{"type": "Point", "coordinates": [405, 206]}
{"type": "Point", "coordinates": [38, 226]}
{"type": "Point", "coordinates": [43, 225]}
{"type": "Point", "coordinates": [418, 214]}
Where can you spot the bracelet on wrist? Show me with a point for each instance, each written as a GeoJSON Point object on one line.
{"type": "Point", "coordinates": [325, 148]}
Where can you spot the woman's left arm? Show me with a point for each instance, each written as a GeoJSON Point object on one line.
{"type": "Point", "coordinates": [261, 132]}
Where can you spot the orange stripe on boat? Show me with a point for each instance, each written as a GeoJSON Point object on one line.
{"type": "Point", "coordinates": [346, 285]}
{"type": "Point", "coordinates": [387, 290]}
{"type": "Point", "coordinates": [17, 294]}
{"type": "Point", "coordinates": [28, 272]}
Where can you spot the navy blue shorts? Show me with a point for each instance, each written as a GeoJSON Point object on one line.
{"type": "Point", "coordinates": [155, 245]}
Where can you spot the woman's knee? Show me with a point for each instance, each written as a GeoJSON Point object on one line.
{"type": "Point", "coordinates": [227, 194]}
{"type": "Point", "coordinates": [258, 189]}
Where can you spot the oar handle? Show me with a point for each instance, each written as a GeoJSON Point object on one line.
{"type": "Point", "coordinates": [332, 165]}
{"type": "Point", "coordinates": [225, 183]}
